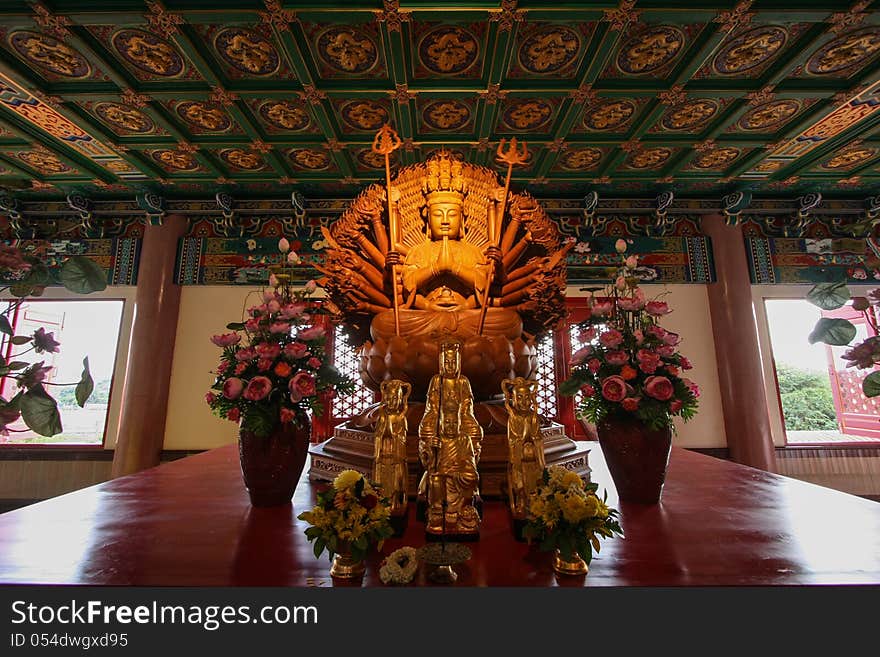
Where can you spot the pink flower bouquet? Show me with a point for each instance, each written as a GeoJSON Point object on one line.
{"type": "Point", "coordinates": [274, 366]}
{"type": "Point", "coordinates": [630, 364]}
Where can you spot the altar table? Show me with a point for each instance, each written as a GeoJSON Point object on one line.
{"type": "Point", "coordinates": [189, 523]}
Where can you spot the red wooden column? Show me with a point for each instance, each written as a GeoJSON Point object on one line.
{"type": "Point", "coordinates": [740, 371]}
{"type": "Point", "coordinates": [148, 373]}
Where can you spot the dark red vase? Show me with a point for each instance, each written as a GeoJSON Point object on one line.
{"type": "Point", "coordinates": [637, 457]}
{"type": "Point", "coordinates": [272, 465]}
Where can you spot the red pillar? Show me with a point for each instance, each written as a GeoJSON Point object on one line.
{"type": "Point", "coordinates": [148, 372]}
{"type": "Point", "coordinates": [740, 371]}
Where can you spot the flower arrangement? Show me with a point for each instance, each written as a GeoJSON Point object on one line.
{"type": "Point", "coordinates": [25, 274]}
{"type": "Point", "coordinates": [351, 514]}
{"type": "Point", "coordinates": [630, 364]}
{"type": "Point", "coordinates": [400, 566]}
{"type": "Point", "coordinates": [567, 515]}
{"type": "Point", "coordinates": [840, 332]}
{"type": "Point", "coordinates": [274, 365]}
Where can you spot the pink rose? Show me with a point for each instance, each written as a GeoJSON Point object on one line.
{"type": "Point", "coordinates": [314, 363]}
{"type": "Point", "coordinates": [257, 388]}
{"type": "Point", "coordinates": [614, 388]}
{"type": "Point", "coordinates": [233, 414]}
{"type": "Point", "coordinates": [630, 404]}
{"type": "Point", "coordinates": [666, 350]}
{"type": "Point", "coordinates": [233, 387]}
{"type": "Point", "coordinates": [685, 364]}
{"type": "Point", "coordinates": [588, 390]}
{"type": "Point", "coordinates": [657, 331]}
{"type": "Point", "coordinates": [296, 350]}
{"type": "Point", "coordinates": [223, 366]}
{"type": "Point", "coordinates": [264, 364]}
{"type": "Point", "coordinates": [269, 295]}
{"type": "Point", "coordinates": [210, 397]}
{"type": "Point", "coordinates": [659, 387]}
{"type": "Point", "coordinates": [671, 338]}
{"type": "Point", "coordinates": [602, 309]}
{"type": "Point", "coordinates": [241, 367]}
{"type": "Point", "coordinates": [301, 385]}
{"type": "Point", "coordinates": [595, 364]}
{"type": "Point", "coordinates": [657, 308]}
{"type": "Point", "coordinates": [675, 406]}
{"type": "Point", "coordinates": [273, 306]}
{"type": "Point", "coordinates": [632, 262]}
{"type": "Point", "coordinates": [252, 325]}
{"type": "Point", "coordinates": [292, 310]}
{"type": "Point", "coordinates": [630, 303]}
{"type": "Point", "coordinates": [245, 354]}
{"type": "Point", "coordinates": [286, 415]}
{"type": "Point", "coordinates": [649, 361]}
{"type": "Point", "coordinates": [226, 339]}
{"type": "Point", "coordinates": [279, 327]}
{"type": "Point", "coordinates": [578, 357]}
{"type": "Point", "coordinates": [692, 387]}
{"type": "Point", "coordinates": [311, 333]}
{"type": "Point", "coordinates": [611, 338]}
{"type": "Point", "coordinates": [587, 335]}
{"type": "Point", "coordinates": [639, 336]}
{"type": "Point", "coordinates": [269, 350]}
{"type": "Point", "coordinates": [617, 358]}
{"type": "Point", "coordinates": [672, 370]}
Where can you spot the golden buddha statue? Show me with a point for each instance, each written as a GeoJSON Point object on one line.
{"type": "Point", "coordinates": [450, 441]}
{"type": "Point", "coordinates": [389, 464]}
{"type": "Point", "coordinates": [525, 465]}
{"type": "Point", "coordinates": [449, 255]}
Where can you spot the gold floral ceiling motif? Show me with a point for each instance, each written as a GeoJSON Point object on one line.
{"type": "Point", "coordinates": [769, 165]}
{"type": "Point", "coordinates": [364, 114]}
{"type": "Point", "coordinates": [649, 158]}
{"type": "Point", "coordinates": [850, 157]}
{"type": "Point", "coordinates": [446, 115]}
{"type": "Point", "coordinates": [124, 117]}
{"type": "Point", "coordinates": [609, 115]}
{"type": "Point", "coordinates": [372, 160]}
{"type": "Point", "coordinates": [580, 160]}
{"type": "Point", "coordinates": [347, 50]}
{"type": "Point", "coordinates": [549, 49]}
{"type": "Point", "coordinates": [42, 162]}
{"type": "Point", "coordinates": [750, 49]}
{"type": "Point", "coordinates": [717, 158]}
{"type": "Point", "coordinates": [690, 114]}
{"type": "Point", "coordinates": [174, 160]}
{"type": "Point", "coordinates": [769, 115]}
{"type": "Point", "coordinates": [448, 50]}
{"type": "Point", "coordinates": [284, 115]}
{"type": "Point", "coordinates": [650, 50]}
{"type": "Point", "coordinates": [846, 52]}
{"type": "Point", "coordinates": [49, 54]}
{"type": "Point", "coordinates": [526, 115]}
{"type": "Point", "coordinates": [147, 52]}
{"type": "Point", "coordinates": [205, 116]}
{"type": "Point", "coordinates": [240, 158]}
{"type": "Point", "coordinates": [310, 159]}
{"type": "Point", "coordinates": [247, 50]}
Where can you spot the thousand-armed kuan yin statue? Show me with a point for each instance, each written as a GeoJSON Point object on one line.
{"type": "Point", "coordinates": [447, 252]}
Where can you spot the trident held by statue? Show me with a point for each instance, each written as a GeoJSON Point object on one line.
{"type": "Point", "coordinates": [511, 157]}
{"type": "Point", "coordinates": [385, 143]}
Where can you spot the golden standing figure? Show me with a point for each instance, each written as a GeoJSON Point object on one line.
{"type": "Point", "coordinates": [450, 440]}
{"type": "Point", "coordinates": [525, 466]}
{"type": "Point", "coordinates": [389, 468]}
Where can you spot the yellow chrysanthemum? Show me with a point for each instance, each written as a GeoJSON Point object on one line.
{"type": "Point", "coordinates": [603, 509]}
{"type": "Point", "coordinates": [570, 479]}
{"type": "Point", "coordinates": [346, 479]}
{"type": "Point", "coordinates": [591, 507]}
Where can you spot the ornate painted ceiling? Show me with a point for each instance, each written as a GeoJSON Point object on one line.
{"type": "Point", "coordinates": [187, 98]}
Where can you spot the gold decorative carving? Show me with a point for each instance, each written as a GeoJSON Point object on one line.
{"type": "Point", "coordinates": [308, 158]}
{"type": "Point", "coordinates": [623, 14]}
{"type": "Point", "coordinates": [311, 94]}
{"type": "Point", "coordinates": [649, 158]}
{"type": "Point", "coordinates": [845, 52]}
{"type": "Point", "coordinates": [446, 115]}
{"type": "Point", "coordinates": [674, 96]}
{"type": "Point", "coordinates": [580, 160]}
{"type": "Point", "coordinates": [389, 463]}
{"type": "Point", "coordinates": [43, 162]}
{"type": "Point", "coordinates": [51, 23]}
{"type": "Point", "coordinates": [284, 115]}
{"type": "Point", "coordinates": [549, 50]}
{"type": "Point", "coordinates": [769, 115]}
{"type": "Point", "coordinates": [162, 22]}
{"type": "Point", "coordinates": [689, 115]}
{"type": "Point", "coordinates": [175, 159]}
{"type": "Point", "coordinates": [50, 54]}
{"type": "Point", "coordinates": [276, 16]}
{"type": "Point", "coordinates": [740, 15]}
{"type": "Point", "coordinates": [763, 95]}
{"type": "Point", "coordinates": [749, 50]}
{"type": "Point", "coordinates": [131, 97]}
{"type": "Point", "coordinates": [507, 15]}
{"type": "Point", "coordinates": [650, 50]}
{"type": "Point", "coordinates": [584, 94]}
{"type": "Point", "coordinates": [850, 157]}
{"type": "Point", "coordinates": [448, 49]}
{"type": "Point", "coordinates": [247, 51]}
{"type": "Point", "coordinates": [220, 96]}
{"type": "Point", "coordinates": [716, 158]}
{"type": "Point", "coordinates": [610, 115]}
{"type": "Point", "coordinates": [526, 115]}
{"type": "Point", "coordinates": [148, 52]}
{"type": "Point", "coordinates": [364, 114]}
{"type": "Point", "coordinates": [391, 15]}
{"type": "Point", "coordinates": [347, 49]}
{"type": "Point", "coordinates": [243, 159]}
{"type": "Point", "coordinates": [525, 466]}
{"type": "Point", "coordinates": [844, 20]}
{"type": "Point", "coordinates": [492, 94]}
{"type": "Point", "coordinates": [402, 94]}
{"type": "Point", "coordinates": [206, 116]}
{"type": "Point", "coordinates": [124, 117]}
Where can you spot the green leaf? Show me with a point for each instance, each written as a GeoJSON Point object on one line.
{"type": "Point", "coordinates": [21, 289]}
{"type": "Point", "coordinates": [570, 386]}
{"type": "Point", "coordinates": [17, 365]}
{"type": "Point", "coordinates": [235, 326]}
{"type": "Point", "coordinates": [829, 296]}
{"type": "Point", "coordinates": [871, 385]}
{"type": "Point", "coordinates": [836, 332]}
{"type": "Point", "coordinates": [20, 339]}
{"type": "Point", "coordinates": [40, 412]}
{"type": "Point", "coordinates": [259, 420]}
{"type": "Point", "coordinates": [85, 386]}
{"type": "Point", "coordinates": [319, 547]}
{"type": "Point", "coordinates": [5, 326]}
{"type": "Point", "coordinates": [82, 275]}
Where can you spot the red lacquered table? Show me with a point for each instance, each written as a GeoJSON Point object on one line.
{"type": "Point", "coordinates": [188, 523]}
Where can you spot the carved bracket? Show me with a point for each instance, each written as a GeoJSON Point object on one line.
{"type": "Point", "coordinates": [154, 207]}
{"type": "Point", "coordinates": [732, 206]}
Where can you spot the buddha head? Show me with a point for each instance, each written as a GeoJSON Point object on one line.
{"type": "Point", "coordinates": [450, 358]}
{"type": "Point", "coordinates": [444, 215]}
{"type": "Point", "coordinates": [520, 393]}
{"type": "Point", "coordinates": [395, 394]}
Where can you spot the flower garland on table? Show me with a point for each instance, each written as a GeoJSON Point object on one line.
{"type": "Point", "coordinates": [400, 566]}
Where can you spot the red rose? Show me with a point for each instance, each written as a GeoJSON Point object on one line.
{"type": "Point", "coordinates": [233, 387]}
{"type": "Point", "coordinates": [675, 406]}
{"type": "Point", "coordinates": [283, 370]}
{"type": "Point", "coordinates": [614, 388]}
{"type": "Point", "coordinates": [369, 501]}
{"type": "Point", "coordinates": [258, 388]}
{"type": "Point", "coordinates": [588, 390]}
{"type": "Point", "coordinates": [630, 404]}
{"type": "Point", "coordinates": [296, 350]}
{"type": "Point", "coordinates": [594, 365]}
{"type": "Point", "coordinates": [234, 414]}
{"type": "Point", "coordinates": [628, 373]}
{"type": "Point", "coordinates": [657, 308]}
{"type": "Point", "coordinates": [659, 387]}
{"type": "Point", "coordinates": [617, 358]}
{"type": "Point", "coordinates": [301, 385]}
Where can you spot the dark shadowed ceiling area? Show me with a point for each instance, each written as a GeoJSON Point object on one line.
{"type": "Point", "coordinates": [253, 97]}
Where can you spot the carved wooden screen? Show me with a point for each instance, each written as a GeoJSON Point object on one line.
{"type": "Point", "coordinates": [548, 388]}
{"type": "Point", "coordinates": [346, 361]}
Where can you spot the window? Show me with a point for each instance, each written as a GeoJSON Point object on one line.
{"type": "Point", "coordinates": [820, 398]}
{"type": "Point", "coordinates": [84, 328]}
{"type": "Point", "coordinates": [347, 362]}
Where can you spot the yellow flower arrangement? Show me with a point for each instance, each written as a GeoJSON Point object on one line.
{"type": "Point", "coordinates": [566, 514]}
{"type": "Point", "coordinates": [351, 512]}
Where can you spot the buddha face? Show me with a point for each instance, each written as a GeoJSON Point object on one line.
{"type": "Point", "coordinates": [522, 398]}
{"type": "Point", "coordinates": [450, 361]}
{"type": "Point", "coordinates": [444, 218]}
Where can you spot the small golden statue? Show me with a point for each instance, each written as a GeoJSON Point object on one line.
{"type": "Point", "coordinates": [525, 466]}
{"type": "Point", "coordinates": [389, 468]}
{"type": "Point", "coordinates": [450, 440]}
